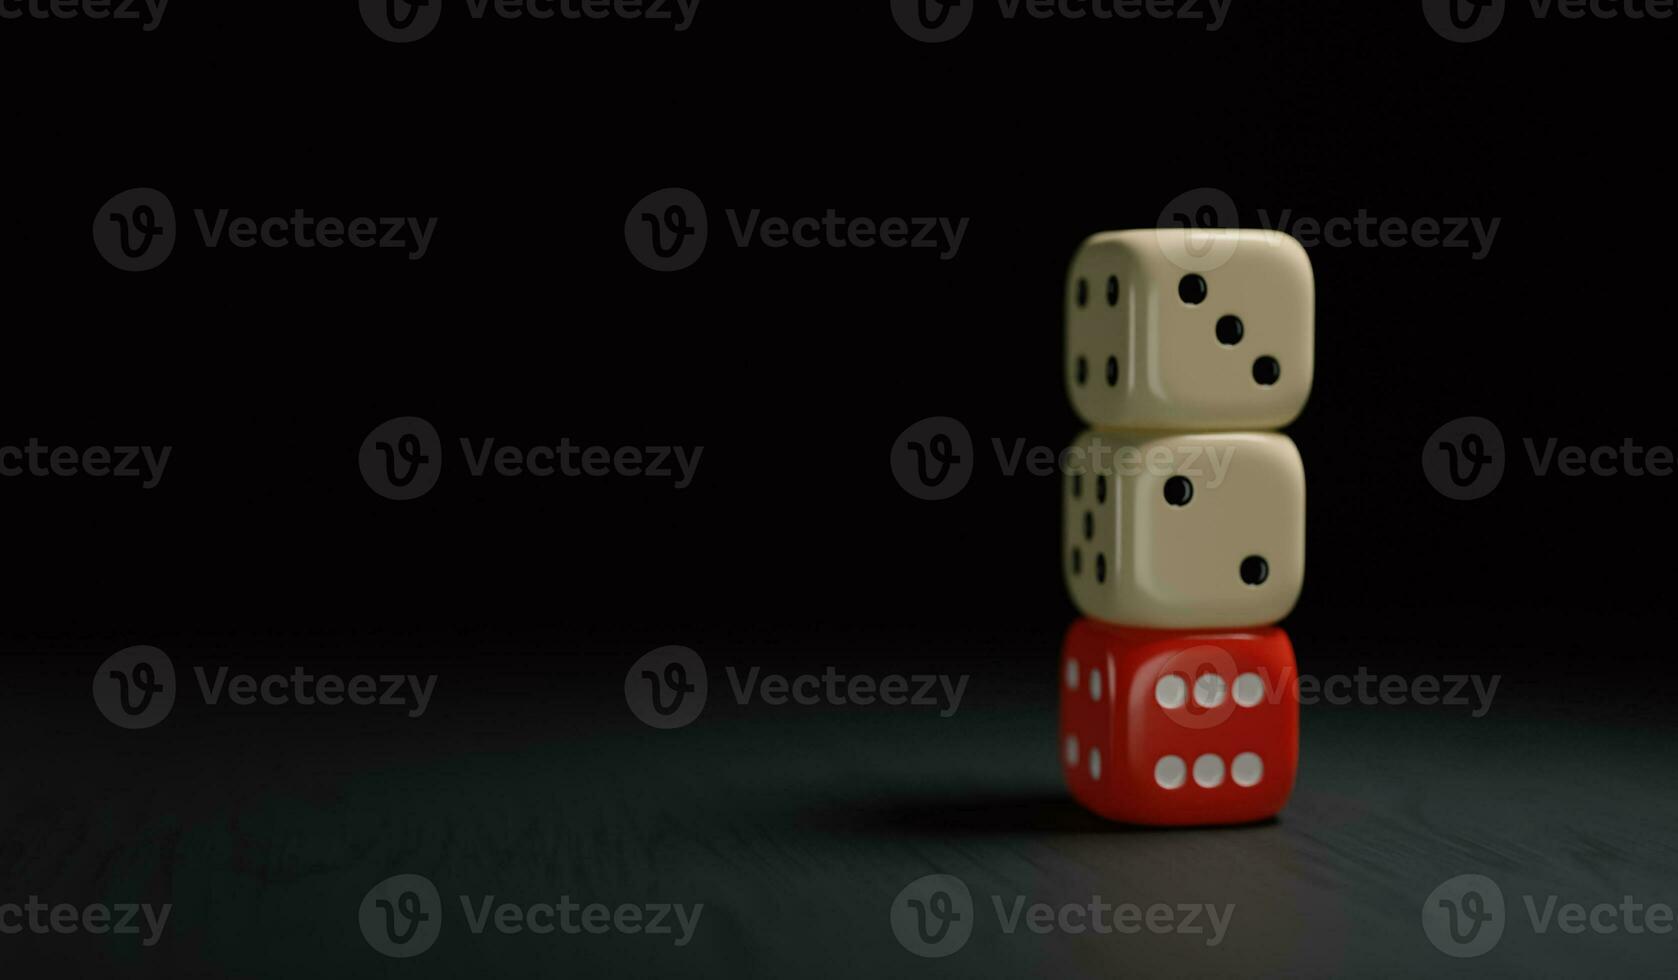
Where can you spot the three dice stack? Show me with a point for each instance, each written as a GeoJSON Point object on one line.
{"type": "Point", "coordinates": [1184, 523]}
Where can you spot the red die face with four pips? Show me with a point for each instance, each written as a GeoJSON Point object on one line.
{"type": "Point", "coordinates": [1179, 727]}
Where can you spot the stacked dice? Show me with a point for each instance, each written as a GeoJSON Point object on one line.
{"type": "Point", "coordinates": [1184, 523]}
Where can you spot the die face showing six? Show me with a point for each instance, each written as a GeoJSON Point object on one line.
{"type": "Point", "coordinates": [1175, 728]}
{"type": "Point", "coordinates": [1184, 530]}
{"type": "Point", "coordinates": [1190, 329]}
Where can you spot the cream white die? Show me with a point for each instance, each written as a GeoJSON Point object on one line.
{"type": "Point", "coordinates": [1189, 329]}
{"type": "Point", "coordinates": [1188, 530]}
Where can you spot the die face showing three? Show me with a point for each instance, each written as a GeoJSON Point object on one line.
{"type": "Point", "coordinates": [1184, 530]}
{"type": "Point", "coordinates": [1179, 728]}
{"type": "Point", "coordinates": [1190, 329]}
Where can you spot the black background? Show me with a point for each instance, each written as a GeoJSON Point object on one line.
{"type": "Point", "coordinates": [795, 369]}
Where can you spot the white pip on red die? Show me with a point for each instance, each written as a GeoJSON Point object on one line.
{"type": "Point", "coordinates": [1173, 728]}
{"type": "Point", "coordinates": [1189, 328]}
{"type": "Point", "coordinates": [1184, 530]}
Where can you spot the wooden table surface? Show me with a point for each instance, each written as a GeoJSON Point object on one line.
{"type": "Point", "coordinates": [798, 827]}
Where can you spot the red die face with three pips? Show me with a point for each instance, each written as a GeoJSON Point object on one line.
{"type": "Point", "coordinates": [1179, 727]}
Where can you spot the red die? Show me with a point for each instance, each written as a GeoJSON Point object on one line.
{"type": "Point", "coordinates": [1179, 727]}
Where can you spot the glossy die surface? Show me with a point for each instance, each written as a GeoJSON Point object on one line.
{"type": "Point", "coordinates": [1177, 728]}
{"type": "Point", "coordinates": [1184, 530]}
{"type": "Point", "coordinates": [1185, 329]}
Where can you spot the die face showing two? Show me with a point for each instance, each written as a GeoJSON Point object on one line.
{"type": "Point", "coordinates": [1184, 530]}
{"type": "Point", "coordinates": [1190, 329]}
{"type": "Point", "coordinates": [1179, 728]}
